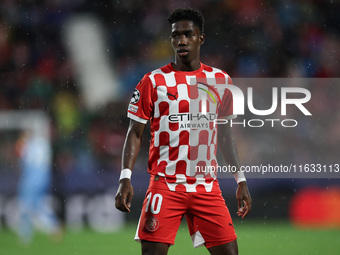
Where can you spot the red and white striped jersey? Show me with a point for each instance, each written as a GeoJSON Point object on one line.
{"type": "Point", "coordinates": [182, 108]}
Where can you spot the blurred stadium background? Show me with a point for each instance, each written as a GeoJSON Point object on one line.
{"type": "Point", "coordinates": [76, 63]}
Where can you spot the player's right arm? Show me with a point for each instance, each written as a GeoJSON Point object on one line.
{"type": "Point", "coordinates": [130, 152]}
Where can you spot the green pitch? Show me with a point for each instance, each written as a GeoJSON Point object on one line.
{"type": "Point", "coordinates": [253, 237]}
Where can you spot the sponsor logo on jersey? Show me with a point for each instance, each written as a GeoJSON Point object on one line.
{"type": "Point", "coordinates": [178, 117]}
{"type": "Point", "coordinates": [192, 120]}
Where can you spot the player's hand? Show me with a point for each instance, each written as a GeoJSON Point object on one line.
{"type": "Point", "coordinates": [124, 195]}
{"type": "Point", "coordinates": [244, 199]}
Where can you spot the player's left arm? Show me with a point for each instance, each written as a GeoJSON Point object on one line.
{"type": "Point", "coordinates": [227, 145]}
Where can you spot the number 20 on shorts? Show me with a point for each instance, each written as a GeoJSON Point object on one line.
{"type": "Point", "coordinates": [156, 203]}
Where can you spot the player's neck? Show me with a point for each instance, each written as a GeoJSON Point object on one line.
{"type": "Point", "coordinates": [186, 67]}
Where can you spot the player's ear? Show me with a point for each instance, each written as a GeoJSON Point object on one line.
{"type": "Point", "coordinates": [202, 38]}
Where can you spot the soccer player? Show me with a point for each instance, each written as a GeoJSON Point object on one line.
{"type": "Point", "coordinates": [35, 211]}
{"type": "Point", "coordinates": [182, 106]}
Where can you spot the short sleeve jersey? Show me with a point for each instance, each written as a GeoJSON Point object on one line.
{"type": "Point", "coordinates": [182, 108]}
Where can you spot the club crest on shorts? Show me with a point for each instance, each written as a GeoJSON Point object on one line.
{"type": "Point", "coordinates": [135, 97]}
{"type": "Point", "coordinates": [151, 223]}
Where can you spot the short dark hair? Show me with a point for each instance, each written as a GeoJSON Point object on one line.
{"type": "Point", "coordinates": [188, 14]}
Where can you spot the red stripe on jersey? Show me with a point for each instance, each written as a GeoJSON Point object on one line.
{"type": "Point", "coordinates": [181, 167]}
{"type": "Point", "coordinates": [203, 137]}
{"type": "Point", "coordinates": [184, 137]}
{"type": "Point", "coordinates": [202, 77]}
{"type": "Point", "coordinates": [173, 153]}
{"type": "Point", "coordinates": [193, 92]}
{"type": "Point", "coordinates": [213, 136]}
{"type": "Point", "coordinates": [184, 106]}
{"type": "Point", "coordinates": [212, 125]}
{"type": "Point", "coordinates": [173, 126]}
{"type": "Point", "coordinates": [171, 179]}
{"type": "Point", "coordinates": [155, 124]}
{"type": "Point", "coordinates": [191, 180]}
{"type": "Point", "coordinates": [220, 78]}
{"type": "Point", "coordinates": [207, 68]}
{"type": "Point", "coordinates": [163, 108]}
{"type": "Point", "coordinates": [159, 80]}
{"type": "Point", "coordinates": [193, 152]}
{"type": "Point", "coordinates": [180, 78]}
{"type": "Point", "coordinates": [164, 138]}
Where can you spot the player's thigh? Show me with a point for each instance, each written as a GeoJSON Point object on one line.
{"type": "Point", "coordinates": [161, 216]}
{"type": "Point", "coordinates": [209, 220]}
{"type": "Point", "coordinates": [154, 248]}
{"type": "Point", "coordinates": [225, 249]}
